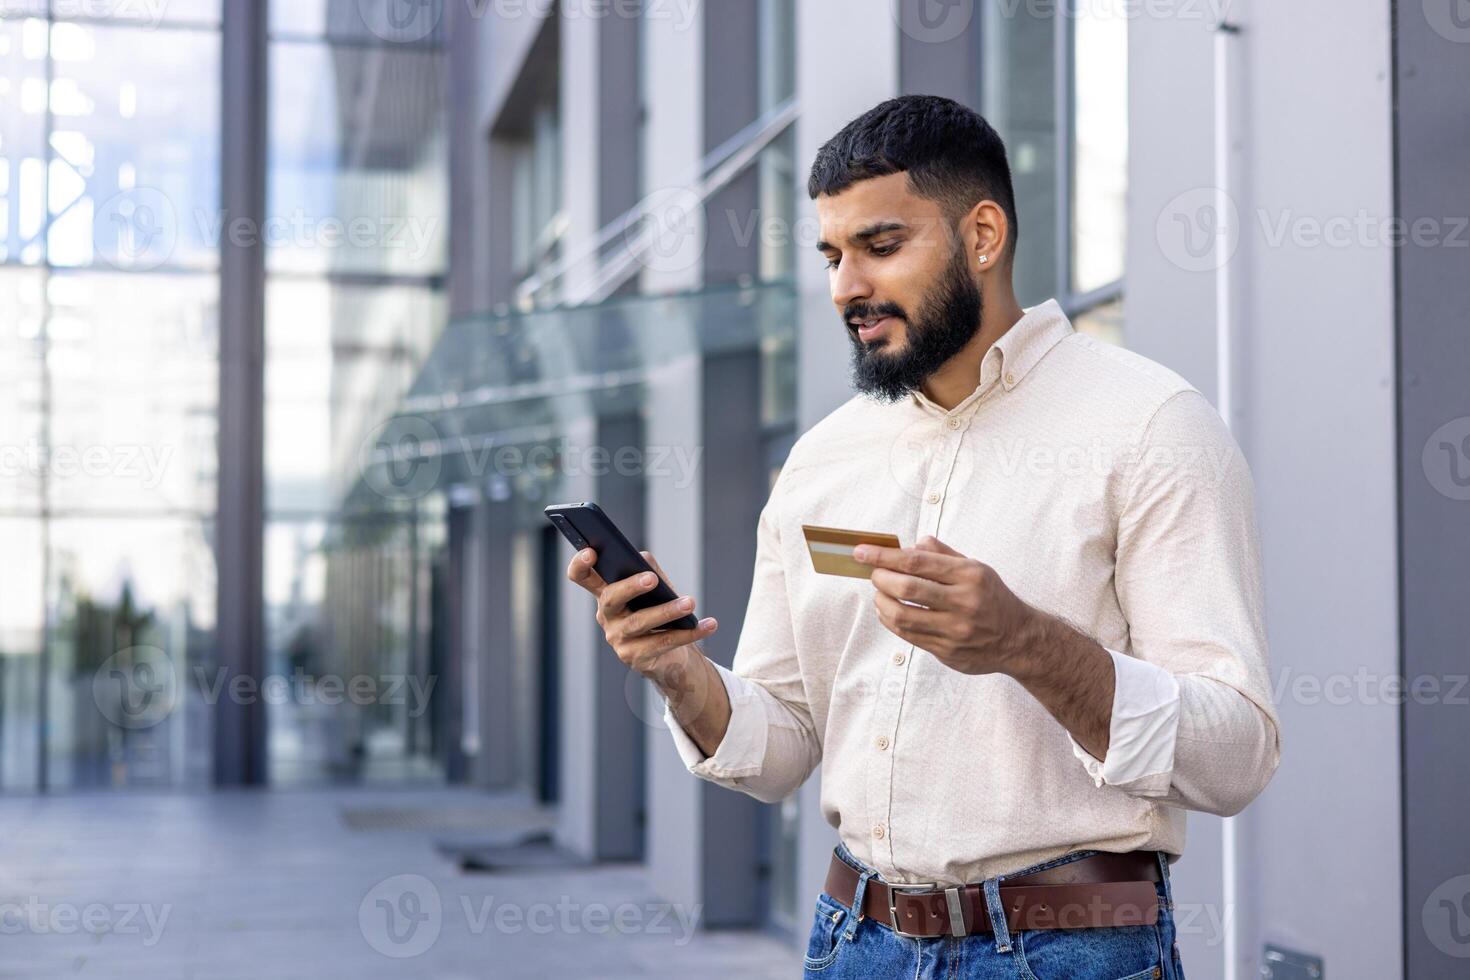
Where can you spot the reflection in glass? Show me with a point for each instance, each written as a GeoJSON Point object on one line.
{"type": "Point", "coordinates": [22, 462]}
{"type": "Point", "coordinates": [356, 242]}
{"type": "Point", "coordinates": [1019, 100]}
{"type": "Point", "coordinates": [339, 359]}
{"type": "Point", "coordinates": [133, 364]}
{"type": "Point", "coordinates": [1100, 151]}
{"type": "Point", "coordinates": [134, 176]}
{"type": "Point", "coordinates": [358, 160]}
{"type": "Point", "coordinates": [131, 652]}
{"type": "Point", "coordinates": [22, 140]}
{"type": "Point", "coordinates": [22, 631]}
{"type": "Point", "coordinates": [346, 631]}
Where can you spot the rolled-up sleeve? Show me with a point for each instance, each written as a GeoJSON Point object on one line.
{"type": "Point", "coordinates": [770, 746]}
{"type": "Point", "coordinates": [1198, 728]}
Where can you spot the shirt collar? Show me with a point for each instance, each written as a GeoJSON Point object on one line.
{"type": "Point", "coordinates": [1013, 356]}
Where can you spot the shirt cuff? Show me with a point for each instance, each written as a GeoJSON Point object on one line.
{"type": "Point", "coordinates": [1141, 736]}
{"type": "Point", "coordinates": [743, 749]}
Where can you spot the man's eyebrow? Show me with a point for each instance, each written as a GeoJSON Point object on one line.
{"type": "Point", "coordinates": [864, 234]}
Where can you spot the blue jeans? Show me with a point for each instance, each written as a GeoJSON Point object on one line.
{"type": "Point", "coordinates": [842, 947]}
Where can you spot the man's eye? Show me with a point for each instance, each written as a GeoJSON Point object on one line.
{"type": "Point", "coordinates": [832, 263]}
{"type": "Point", "coordinates": [885, 249]}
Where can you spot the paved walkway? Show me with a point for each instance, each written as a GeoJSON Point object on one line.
{"type": "Point", "coordinates": [275, 885]}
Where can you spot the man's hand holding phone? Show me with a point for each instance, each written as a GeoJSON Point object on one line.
{"type": "Point", "coordinates": [668, 657]}
{"type": "Point", "coordinates": [630, 632]}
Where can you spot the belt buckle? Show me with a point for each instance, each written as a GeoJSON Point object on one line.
{"type": "Point", "coordinates": [952, 895]}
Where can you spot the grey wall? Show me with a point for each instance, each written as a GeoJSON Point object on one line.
{"type": "Point", "coordinates": [601, 815]}
{"type": "Point", "coordinates": [1433, 151]}
{"type": "Point", "coordinates": [487, 56]}
{"type": "Point", "coordinates": [946, 63]}
{"type": "Point", "coordinates": [1318, 852]}
{"type": "Point", "coordinates": [499, 725]}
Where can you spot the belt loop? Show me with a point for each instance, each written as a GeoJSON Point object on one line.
{"type": "Point", "coordinates": [997, 915]}
{"type": "Point", "coordinates": [1163, 859]}
{"type": "Point", "coordinates": [857, 903]}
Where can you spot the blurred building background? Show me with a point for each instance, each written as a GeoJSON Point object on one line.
{"type": "Point", "coordinates": [308, 308]}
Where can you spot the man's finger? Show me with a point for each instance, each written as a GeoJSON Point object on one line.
{"type": "Point", "coordinates": [656, 643]}
{"type": "Point", "coordinates": [913, 623]}
{"type": "Point", "coordinates": [646, 620]}
{"type": "Point", "coordinates": [616, 595]}
{"type": "Point", "coordinates": [911, 561]}
{"type": "Point", "coordinates": [648, 557]}
{"type": "Point", "coordinates": [582, 572]}
{"type": "Point", "coordinates": [911, 588]}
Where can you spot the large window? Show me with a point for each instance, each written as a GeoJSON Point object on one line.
{"type": "Point", "coordinates": [356, 237]}
{"type": "Point", "coordinates": [1054, 83]}
{"type": "Point", "coordinates": [109, 199]}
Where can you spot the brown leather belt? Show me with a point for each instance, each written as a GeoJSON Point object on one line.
{"type": "Point", "coordinates": [1105, 889]}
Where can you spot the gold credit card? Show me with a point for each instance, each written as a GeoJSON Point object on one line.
{"type": "Point", "coordinates": [831, 549]}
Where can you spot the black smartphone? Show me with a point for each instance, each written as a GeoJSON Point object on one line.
{"type": "Point", "coordinates": [586, 526]}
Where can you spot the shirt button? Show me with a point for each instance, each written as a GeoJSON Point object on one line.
{"type": "Point", "coordinates": [898, 659]}
{"type": "Point", "coordinates": [934, 497]}
{"type": "Point", "coordinates": [1010, 379]}
{"type": "Point", "coordinates": [954, 423]}
{"type": "Point", "coordinates": [881, 741]}
{"type": "Point", "coordinates": [878, 831]}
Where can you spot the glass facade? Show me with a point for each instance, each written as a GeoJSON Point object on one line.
{"type": "Point", "coordinates": [109, 204]}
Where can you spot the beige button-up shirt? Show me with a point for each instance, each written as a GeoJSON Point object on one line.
{"type": "Point", "coordinates": [1104, 490]}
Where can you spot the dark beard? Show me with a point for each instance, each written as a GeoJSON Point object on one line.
{"type": "Point", "coordinates": [948, 319]}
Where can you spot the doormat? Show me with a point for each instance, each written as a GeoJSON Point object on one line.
{"type": "Point", "coordinates": [533, 852]}
{"type": "Point", "coordinates": [446, 819]}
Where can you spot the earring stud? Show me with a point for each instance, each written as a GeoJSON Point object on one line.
{"type": "Point", "coordinates": [984, 259]}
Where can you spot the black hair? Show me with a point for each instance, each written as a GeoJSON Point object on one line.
{"type": "Point", "coordinates": [950, 153]}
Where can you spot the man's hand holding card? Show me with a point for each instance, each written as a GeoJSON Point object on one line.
{"type": "Point", "coordinates": [954, 607]}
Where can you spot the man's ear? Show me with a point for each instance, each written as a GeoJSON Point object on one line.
{"type": "Point", "coordinates": [986, 233]}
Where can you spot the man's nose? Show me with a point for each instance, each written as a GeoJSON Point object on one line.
{"type": "Point", "coordinates": [849, 285]}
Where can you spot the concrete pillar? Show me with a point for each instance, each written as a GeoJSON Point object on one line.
{"type": "Point", "coordinates": [1313, 353]}
{"type": "Point", "coordinates": [1433, 155]}
{"type": "Point", "coordinates": [602, 738]}
{"type": "Point", "coordinates": [500, 723]}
